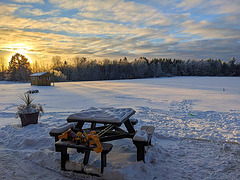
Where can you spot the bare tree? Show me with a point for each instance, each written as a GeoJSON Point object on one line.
{"type": "Point", "coordinates": [56, 62]}
{"type": "Point", "coordinates": [2, 68]}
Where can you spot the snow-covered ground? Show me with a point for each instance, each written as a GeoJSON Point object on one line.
{"type": "Point", "coordinates": [197, 135]}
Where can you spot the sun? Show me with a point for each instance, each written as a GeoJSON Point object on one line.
{"type": "Point", "coordinates": [21, 49]}
{"type": "Point", "coordinates": [20, 52]}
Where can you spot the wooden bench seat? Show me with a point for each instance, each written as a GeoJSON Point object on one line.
{"type": "Point", "coordinates": [62, 146]}
{"type": "Point", "coordinates": [141, 139]}
{"type": "Point", "coordinates": [62, 128]}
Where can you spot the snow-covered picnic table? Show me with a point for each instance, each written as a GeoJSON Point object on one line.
{"type": "Point", "coordinates": [111, 117]}
{"type": "Point", "coordinates": [107, 124]}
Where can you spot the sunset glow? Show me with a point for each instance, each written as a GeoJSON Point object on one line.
{"type": "Point", "coordinates": [21, 49]}
{"type": "Point", "coordinates": [117, 28]}
{"type": "Point", "coordinates": [20, 52]}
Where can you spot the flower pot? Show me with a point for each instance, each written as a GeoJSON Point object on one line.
{"type": "Point", "coordinates": [27, 119]}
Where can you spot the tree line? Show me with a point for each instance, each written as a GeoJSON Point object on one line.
{"type": "Point", "coordinates": [82, 69]}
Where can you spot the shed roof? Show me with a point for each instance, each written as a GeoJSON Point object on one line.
{"type": "Point", "coordinates": [39, 74]}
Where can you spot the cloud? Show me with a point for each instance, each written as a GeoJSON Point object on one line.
{"type": "Point", "coordinates": [92, 47]}
{"type": "Point", "coordinates": [213, 48]}
{"type": "Point", "coordinates": [39, 12]}
{"type": "Point", "coordinates": [80, 27]}
{"type": "Point", "coordinates": [30, 1]}
{"type": "Point", "coordinates": [225, 7]}
{"type": "Point", "coordinates": [231, 21]}
{"type": "Point", "coordinates": [46, 45]}
{"type": "Point", "coordinates": [188, 4]}
{"type": "Point", "coordinates": [211, 7]}
{"type": "Point", "coordinates": [205, 30]}
{"type": "Point", "coordinates": [119, 11]}
{"type": "Point", "coordinates": [7, 9]}
{"type": "Point", "coordinates": [103, 37]}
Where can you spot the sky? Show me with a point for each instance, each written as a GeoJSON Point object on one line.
{"type": "Point", "coordinates": [113, 29]}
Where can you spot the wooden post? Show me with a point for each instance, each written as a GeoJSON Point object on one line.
{"type": "Point", "coordinates": [86, 157]}
{"type": "Point", "coordinates": [53, 78]}
{"type": "Point", "coordinates": [64, 157]}
{"type": "Point", "coordinates": [103, 161]}
{"type": "Point", "coordinates": [140, 151]}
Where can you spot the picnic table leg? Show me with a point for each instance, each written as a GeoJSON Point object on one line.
{"type": "Point", "coordinates": [140, 151]}
{"type": "Point", "coordinates": [129, 126]}
{"type": "Point", "coordinates": [79, 125]}
{"type": "Point", "coordinates": [103, 161]}
{"type": "Point", "coordinates": [64, 157]}
{"type": "Point", "coordinates": [93, 125]}
{"type": "Point", "coordinates": [86, 157]}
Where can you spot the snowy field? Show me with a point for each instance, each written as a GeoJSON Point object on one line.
{"type": "Point", "coordinates": [197, 135]}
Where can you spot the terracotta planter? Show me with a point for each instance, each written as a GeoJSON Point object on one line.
{"type": "Point", "coordinates": [27, 119]}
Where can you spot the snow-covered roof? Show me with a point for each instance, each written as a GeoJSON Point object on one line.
{"type": "Point", "coordinates": [38, 74]}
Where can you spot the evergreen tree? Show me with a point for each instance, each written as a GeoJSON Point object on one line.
{"type": "Point", "coordinates": [155, 68]}
{"type": "Point", "coordinates": [225, 69]}
{"type": "Point", "coordinates": [232, 66]}
{"type": "Point", "coordinates": [140, 68]}
{"type": "Point", "coordinates": [19, 68]}
{"type": "Point", "coordinates": [124, 68]}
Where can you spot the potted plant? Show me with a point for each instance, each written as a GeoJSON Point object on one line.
{"type": "Point", "coordinates": [28, 112]}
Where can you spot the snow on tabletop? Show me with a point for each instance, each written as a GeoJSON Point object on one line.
{"type": "Point", "coordinates": [107, 115]}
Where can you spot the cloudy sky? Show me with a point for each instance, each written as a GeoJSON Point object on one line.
{"type": "Point", "coordinates": [113, 29]}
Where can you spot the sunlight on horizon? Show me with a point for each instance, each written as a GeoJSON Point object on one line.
{"type": "Point", "coordinates": [21, 49]}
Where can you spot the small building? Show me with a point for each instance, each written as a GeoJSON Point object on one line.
{"type": "Point", "coordinates": [40, 79]}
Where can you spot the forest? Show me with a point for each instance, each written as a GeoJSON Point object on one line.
{"type": "Point", "coordinates": [82, 69]}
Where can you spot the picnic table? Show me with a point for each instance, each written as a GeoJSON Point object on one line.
{"type": "Point", "coordinates": [107, 123]}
